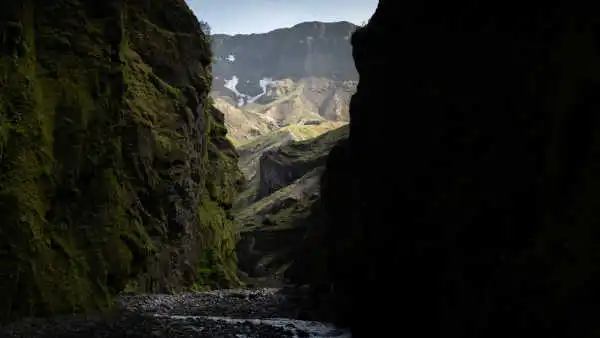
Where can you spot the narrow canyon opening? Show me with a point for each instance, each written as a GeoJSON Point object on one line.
{"type": "Point", "coordinates": [165, 174]}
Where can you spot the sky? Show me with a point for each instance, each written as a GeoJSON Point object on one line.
{"type": "Point", "coordinates": [260, 16]}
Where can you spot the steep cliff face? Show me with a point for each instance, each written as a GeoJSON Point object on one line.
{"type": "Point", "coordinates": [114, 169]}
{"type": "Point", "coordinates": [273, 225]}
{"type": "Point", "coordinates": [251, 152]}
{"type": "Point", "coordinates": [488, 225]}
{"type": "Point", "coordinates": [281, 166]}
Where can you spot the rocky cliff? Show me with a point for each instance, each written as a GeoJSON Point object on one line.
{"type": "Point", "coordinates": [251, 152]}
{"type": "Point", "coordinates": [115, 171]}
{"type": "Point", "coordinates": [279, 167]}
{"type": "Point", "coordinates": [487, 226]}
{"type": "Point", "coordinates": [274, 221]}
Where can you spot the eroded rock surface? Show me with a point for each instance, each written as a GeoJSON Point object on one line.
{"type": "Point", "coordinates": [115, 171]}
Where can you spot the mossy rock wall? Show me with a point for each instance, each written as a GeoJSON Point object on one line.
{"type": "Point", "coordinates": [114, 168]}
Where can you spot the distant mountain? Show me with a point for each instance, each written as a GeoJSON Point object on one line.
{"type": "Point", "coordinates": [247, 65]}
{"type": "Point", "coordinates": [285, 96]}
{"type": "Point", "coordinates": [309, 101]}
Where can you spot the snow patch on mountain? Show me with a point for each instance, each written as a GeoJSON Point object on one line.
{"type": "Point", "coordinates": [244, 98]}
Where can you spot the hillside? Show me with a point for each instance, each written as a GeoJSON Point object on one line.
{"type": "Point", "coordinates": [115, 172]}
{"type": "Point", "coordinates": [277, 89]}
{"type": "Point", "coordinates": [307, 99]}
{"type": "Point", "coordinates": [242, 125]}
{"type": "Point", "coordinates": [298, 75]}
{"type": "Point", "coordinates": [283, 193]}
{"type": "Point", "coordinates": [250, 152]}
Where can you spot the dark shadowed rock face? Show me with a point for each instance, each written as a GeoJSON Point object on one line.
{"type": "Point", "coordinates": [114, 169]}
{"type": "Point", "coordinates": [486, 225]}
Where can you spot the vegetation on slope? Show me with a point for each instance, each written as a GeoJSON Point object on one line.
{"type": "Point", "coordinates": [280, 167]}
{"type": "Point", "coordinates": [308, 101]}
{"type": "Point", "coordinates": [272, 227]}
{"type": "Point", "coordinates": [243, 125]}
{"type": "Point", "coordinates": [250, 152]}
{"type": "Point", "coordinates": [114, 170]}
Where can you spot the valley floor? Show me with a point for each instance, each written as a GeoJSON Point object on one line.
{"type": "Point", "coordinates": [260, 312]}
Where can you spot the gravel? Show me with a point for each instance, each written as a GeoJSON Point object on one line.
{"type": "Point", "coordinates": [265, 312]}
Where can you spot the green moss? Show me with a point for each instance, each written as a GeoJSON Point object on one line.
{"type": "Point", "coordinates": [217, 263]}
{"type": "Point", "coordinates": [95, 139]}
{"type": "Point", "coordinates": [210, 273]}
{"type": "Point", "coordinates": [223, 182]}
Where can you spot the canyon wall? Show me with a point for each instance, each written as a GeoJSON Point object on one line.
{"type": "Point", "coordinates": [470, 206]}
{"type": "Point", "coordinates": [115, 173]}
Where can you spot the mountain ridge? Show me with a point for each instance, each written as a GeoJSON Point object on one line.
{"type": "Point", "coordinates": [220, 35]}
{"type": "Point", "coordinates": [302, 74]}
{"type": "Point", "coordinates": [308, 49]}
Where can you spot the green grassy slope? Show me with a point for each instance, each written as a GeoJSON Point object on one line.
{"type": "Point", "coordinates": [272, 227]}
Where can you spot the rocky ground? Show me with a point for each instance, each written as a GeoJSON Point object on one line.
{"type": "Point", "coordinates": [265, 312]}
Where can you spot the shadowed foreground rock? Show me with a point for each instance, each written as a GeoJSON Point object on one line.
{"type": "Point", "coordinates": [479, 206]}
